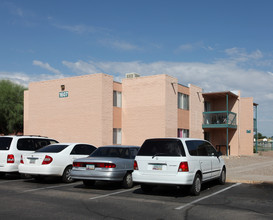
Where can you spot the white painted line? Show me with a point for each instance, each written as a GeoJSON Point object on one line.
{"type": "Point", "coordinates": [110, 194]}
{"type": "Point", "coordinates": [213, 194]}
{"type": "Point", "coordinates": [49, 187]}
{"type": "Point", "coordinates": [10, 181]}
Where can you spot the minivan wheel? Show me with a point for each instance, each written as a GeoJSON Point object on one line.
{"type": "Point", "coordinates": [66, 177]}
{"type": "Point", "coordinates": [128, 181]}
{"type": "Point", "coordinates": [196, 186]}
{"type": "Point", "coordinates": [222, 177]}
{"type": "Point", "coordinates": [146, 188]}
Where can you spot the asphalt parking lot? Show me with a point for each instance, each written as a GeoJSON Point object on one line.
{"type": "Point", "coordinates": [51, 199]}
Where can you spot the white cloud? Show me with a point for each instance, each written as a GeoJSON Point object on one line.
{"type": "Point", "coordinates": [45, 66]}
{"type": "Point", "coordinates": [24, 79]}
{"type": "Point", "coordinates": [241, 55]}
{"type": "Point", "coordinates": [121, 45]}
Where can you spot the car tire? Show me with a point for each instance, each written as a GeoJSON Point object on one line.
{"type": "Point", "coordinates": [196, 185]}
{"type": "Point", "coordinates": [66, 177]}
{"type": "Point", "coordinates": [222, 177]}
{"type": "Point", "coordinates": [89, 183]}
{"type": "Point", "coordinates": [128, 181]}
{"type": "Point", "coordinates": [146, 188]}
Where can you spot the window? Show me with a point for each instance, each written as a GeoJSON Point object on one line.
{"type": "Point", "coordinates": [83, 149]}
{"type": "Point", "coordinates": [52, 148]}
{"type": "Point", "coordinates": [117, 99]}
{"type": "Point", "coordinates": [117, 136]}
{"type": "Point", "coordinates": [200, 148]}
{"type": "Point", "coordinates": [5, 143]}
{"type": "Point", "coordinates": [183, 101]}
{"type": "Point", "coordinates": [183, 133]}
{"type": "Point", "coordinates": [111, 152]}
{"type": "Point", "coordinates": [162, 147]}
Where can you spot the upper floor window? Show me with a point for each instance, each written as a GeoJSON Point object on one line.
{"type": "Point", "coordinates": [117, 99]}
{"type": "Point", "coordinates": [183, 101]}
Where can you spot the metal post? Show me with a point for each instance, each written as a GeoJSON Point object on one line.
{"type": "Point", "coordinates": [227, 122]}
{"type": "Point", "coordinates": [256, 128]}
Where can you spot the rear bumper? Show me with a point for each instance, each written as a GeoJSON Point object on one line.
{"type": "Point", "coordinates": [41, 170]}
{"type": "Point", "coordinates": [98, 175]}
{"type": "Point", "coordinates": [178, 179]}
{"type": "Point", "coordinates": [9, 167]}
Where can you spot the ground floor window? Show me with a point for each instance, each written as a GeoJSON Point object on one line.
{"type": "Point", "coordinates": [117, 136]}
{"type": "Point", "coordinates": [183, 133]}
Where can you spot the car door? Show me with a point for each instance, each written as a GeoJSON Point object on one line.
{"type": "Point", "coordinates": [204, 159]}
{"type": "Point", "coordinates": [215, 161]}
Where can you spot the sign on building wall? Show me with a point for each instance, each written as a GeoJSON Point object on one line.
{"type": "Point", "coordinates": [63, 94]}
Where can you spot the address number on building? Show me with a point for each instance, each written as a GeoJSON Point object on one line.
{"type": "Point", "coordinates": [63, 94]}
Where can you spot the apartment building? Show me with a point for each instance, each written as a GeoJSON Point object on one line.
{"type": "Point", "coordinates": [97, 110]}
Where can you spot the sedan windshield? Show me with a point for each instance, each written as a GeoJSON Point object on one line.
{"type": "Point", "coordinates": [54, 148]}
{"type": "Point", "coordinates": [111, 152]}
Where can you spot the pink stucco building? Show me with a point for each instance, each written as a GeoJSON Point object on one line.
{"type": "Point", "coordinates": [97, 110]}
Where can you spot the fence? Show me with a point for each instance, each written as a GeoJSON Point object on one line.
{"type": "Point", "coordinates": [264, 146]}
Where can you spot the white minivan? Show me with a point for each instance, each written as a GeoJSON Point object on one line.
{"type": "Point", "coordinates": [13, 147]}
{"type": "Point", "coordinates": [178, 161]}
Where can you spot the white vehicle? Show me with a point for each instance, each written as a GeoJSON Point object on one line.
{"type": "Point", "coordinates": [178, 161]}
{"type": "Point", "coordinates": [12, 147]}
{"type": "Point", "coordinates": [54, 160]}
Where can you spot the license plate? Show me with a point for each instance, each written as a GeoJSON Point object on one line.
{"type": "Point", "coordinates": [32, 161]}
{"type": "Point", "coordinates": [157, 167]}
{"type": "Point", "coordinates": [90, 166]}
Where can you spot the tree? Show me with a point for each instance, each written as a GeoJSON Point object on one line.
{"type": "Point", "coordinates": [11, 107]}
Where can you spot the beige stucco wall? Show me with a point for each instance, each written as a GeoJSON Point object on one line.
{"type": "Point", "coordinates": [196, 112]}
{"type": "Point", "coordinates": [149, 108]}
{"type": "Point", "coordinates": [246, 123]}
{"type": "Point", "coordinates": [86, 115]}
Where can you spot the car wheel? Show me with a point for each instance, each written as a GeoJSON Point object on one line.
{"type": "Point", "coordinates": [89, 183]}
{"type": "Point", "coordinates": [146, 188]}
{"type": "Point", "coordinates": [222, 177]}
{"type": "Point", "coordinates": [66, 177]}
{"type": "Point", "coordinates": [196, 186]}
{"type": "Point", "coordinates": [128, 181]}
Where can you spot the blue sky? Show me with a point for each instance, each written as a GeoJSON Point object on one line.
{"type": "Point", "coordinates": [215, 44]}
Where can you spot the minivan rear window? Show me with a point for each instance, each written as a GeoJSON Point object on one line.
{"type": "Point", "coordinates": [5, 143]}
{"type": "Point", "coordinates": [162, 147]}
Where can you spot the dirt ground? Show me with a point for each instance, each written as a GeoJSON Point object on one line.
{"type": "Point", "coordinates": [250, 169]}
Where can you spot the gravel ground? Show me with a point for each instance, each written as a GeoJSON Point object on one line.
{"type": "Point", "coordinates": [250, 169]}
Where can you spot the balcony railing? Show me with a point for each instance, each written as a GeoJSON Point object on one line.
{"type": "Point", "coordinates": [219, 119]}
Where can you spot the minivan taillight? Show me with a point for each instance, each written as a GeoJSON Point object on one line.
{"type": "Point", "coordinates": [10, 158]}
{"type": "Point", "coordinates": [47, 160]}
{"type": "Point", "coordinates": [135, 165]}
{"type": "Point", "coordinates": [183, 167]}
{"type": "Point", "coordinates": [22, 161]}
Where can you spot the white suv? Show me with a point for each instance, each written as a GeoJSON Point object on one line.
{"type": "Point", "coordinates": [178, 161]}
{"type": "Point", "coordinates": [13, 147]}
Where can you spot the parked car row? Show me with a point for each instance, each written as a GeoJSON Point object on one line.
{"type": "Point", "coordinates": [159, 161]}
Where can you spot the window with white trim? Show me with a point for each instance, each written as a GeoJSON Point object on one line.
{"type": "Point", "coordinates": [183, 133]}
{"type": "Point", "coordinates": [117, 136]}
{"type": "Point", "coordinates": [183, 101]}
{"type": "Point", "coordinates": [117, 99]}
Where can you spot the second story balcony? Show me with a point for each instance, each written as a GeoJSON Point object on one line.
{"type": "Point", "coordinates": [219, 119]}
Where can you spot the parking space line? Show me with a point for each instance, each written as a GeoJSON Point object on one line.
{"type": "Point", "coordinates": [213, 194]}
{"type": "Point", "coordinates": [49, 187]}
{"type": "Point", "coordinates": [110, 194]}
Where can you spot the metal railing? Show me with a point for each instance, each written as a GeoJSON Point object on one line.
{"type": "Point", "coordinates": [219, 119]}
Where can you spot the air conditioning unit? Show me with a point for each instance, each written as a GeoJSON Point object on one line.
{"type": "Point", "coordinates": [132, 75]}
